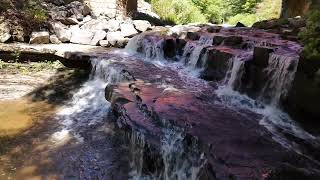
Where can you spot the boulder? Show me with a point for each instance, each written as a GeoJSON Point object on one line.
{"type": "Point", "coordinates": [233, 41]}
{"type": "Point", "coordinates": [96, 24]}
{"type": "Point", "coordinates": [214, 29]}
{"type": "Point", "coordinates": [261, 56]}
{"type": "Point", "coordinates": [141, 25]}
{"type": "Point", "coordinates": [4, 37]}
{"type": "Point", "coordinates": [86, 19]}
{"type": "Point", "coordinates": [82, 36]}
{"type": "Point", "coordinates": [19, 33]}
{"type": "Point", "coordinates": [116, 39]}
{"type": "Point", "coordinates": [78, 9]}
{"type": "Point", "coordinates": [58, 14]}
{"type": "Point", "coordinates": [113, 25]}
{"type": "Point", "coordinates": [98, 36]}
{"type": "Point", "coordinates": [40, 38]}
{"type": "Point", "coordinates": [169, 48]}
{"type": "Point", "coordinates": [69, 21]}
{"type": "Point", "coordinates": [239, 24]}
{"type": "Point", "coordinates": [193, 36]}
{"type": "Point", "coordinates": [4, 32]}
{"type": "Point", "coordinates": [54, 39]}
{"type": "Point", "coordinates": [88, 37]}
{"type": "Point", "coordinates": [128, 30]}
{"type": "Point", "coordinates": [216, 64]}
{"type": "Point", "coordinates": [104, 43]}
{"type": "Point", "coordinates": [62, 31]}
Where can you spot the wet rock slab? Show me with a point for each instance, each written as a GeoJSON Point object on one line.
{"type": "Point", "coordinates": [71, 55]}
{"type": "Point", "coordinates": [234, 143]}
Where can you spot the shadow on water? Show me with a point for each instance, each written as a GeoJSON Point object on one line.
{"type": "Point", "coordinates": [60, 87]}
{"type": "Point", "coordinates": [29, 154]}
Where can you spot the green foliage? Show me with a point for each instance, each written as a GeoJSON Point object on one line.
{"type": "Point", "coordinates": [35, 11]}
{"type": "Point", "coordinates": [178, 11]}
{"type": "Point", "coordinates": [246, 19]}
{"type": "Point", "coordinates": [311, 35]}
{"type": "Point", "coordinates": [216, 11]}
{"type": "Point", "coordinates": [266, 9]}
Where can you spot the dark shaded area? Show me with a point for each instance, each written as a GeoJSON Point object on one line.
{"type": "Point", "coordinates": [61, 86]}
{"type": "Point", "coordinates": [153, 20]}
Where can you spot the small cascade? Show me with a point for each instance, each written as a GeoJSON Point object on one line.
{"type": "Point", "coordinates": [150, 46]}
{"type": "Point", "coordinates": [281, 72]}
{"type": "Point", "coordinates": [193, 50]}
{"type": "Point", "coordinates": [235, 72]}
{"type": "Point", "coordinates": [179, 161]}
{"type": "Point", "coordinates": [88, 106]}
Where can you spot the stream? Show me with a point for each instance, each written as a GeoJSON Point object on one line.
{"type": "Point", "coordinates": [85, 142]}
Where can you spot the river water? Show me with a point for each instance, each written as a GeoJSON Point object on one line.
{"type": "Point", "coordinates": [85, 144]}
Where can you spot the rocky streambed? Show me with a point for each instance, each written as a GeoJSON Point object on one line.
{"type": "Point", "coordinates": [195, 102]}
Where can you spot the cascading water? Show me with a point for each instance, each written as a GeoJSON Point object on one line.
{"type": "Point", "coordinates": [180, 161]}
{"type": "Point", "coordinates": [281, 70]}
{"type": "Point", "coordinates": [88, 106]}
{"type": "Point", "coordinates": [151, 47]}
{"type": "Point", "coordinates": [192, 50]}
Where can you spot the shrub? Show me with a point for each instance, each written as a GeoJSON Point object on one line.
{"type": "Point", "coordinates": [178, 11]}
{"type": "Point", "coordinates": [246, 19]}
{"type": "Point", "coordinates": [311, 35]}
{"type": "Point", "coordinates": [35, 11]}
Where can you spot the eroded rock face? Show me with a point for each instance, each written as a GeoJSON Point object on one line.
{"type": "Point", "coordinates": [142, 104]}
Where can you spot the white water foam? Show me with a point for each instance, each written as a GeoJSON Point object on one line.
{"type": "Point", "coordinates": [88, 105]}
{"type": "Point", "coordinates": [273, 118]}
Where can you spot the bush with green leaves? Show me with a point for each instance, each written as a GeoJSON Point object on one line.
{"type": "Point", "coordinates": [34, 10]}
{"type": "Point", "coordinates": [311, 35]}
{"type": "Point", "coordinates": [178, 11]}
{"type": "Point", "coordinates": [216, 11]}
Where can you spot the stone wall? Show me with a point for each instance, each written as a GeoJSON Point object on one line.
{"type": "Point", "coordinates": [112, 8]}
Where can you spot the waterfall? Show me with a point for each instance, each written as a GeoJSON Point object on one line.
{"type": "Point", "coordinates": [281, 72]}
{"type": "Point", "coordinates": [88, 105]}
{"type": "Point", "coordinates": [150, 46]}
{"type": "Point", "coordinates": [193, 50]}
{"type": "Point", "coordinates": [180, 161]}
{"type": "Point", "coordinates": [179, 164]}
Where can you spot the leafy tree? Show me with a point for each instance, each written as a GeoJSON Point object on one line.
{"type": "Point", "coordinates": [311, 35]}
